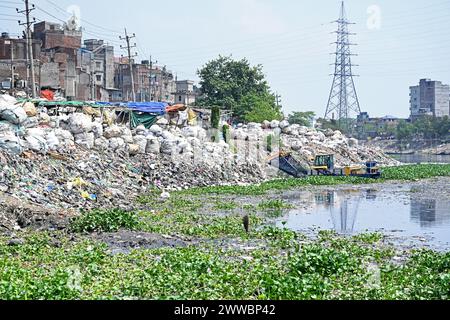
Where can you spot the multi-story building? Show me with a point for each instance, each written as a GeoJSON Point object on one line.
{"type": "Point", "coordinates": [150, 83]}
{"type": "Point", "coordinates": [13, 52]}
{"type": "Point", "coordinates": [163, 84]}
{"type": "Point", "coordinates": [186, 92]}
{"type": "Point", "coordinates": [102, 68]}
{"type": "Point", "coordinates": [60, 46]}
{"type": "Point", "coordinates": [367, 127]}
{"type": "Point", "coordinates": [430, 98]}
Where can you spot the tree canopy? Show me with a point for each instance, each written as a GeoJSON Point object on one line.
{"type": "Point", "coordinates": [302, 118]}
{"type": "Point", "coordinates": [236, 85]}
{"type": "Point", "coordinates": [426, 127]}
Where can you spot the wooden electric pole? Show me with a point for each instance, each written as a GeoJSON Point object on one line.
{"type": "Point", "coordinates": [128, 47]}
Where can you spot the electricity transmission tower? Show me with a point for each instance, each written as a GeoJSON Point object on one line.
{"type": "Point", "coordinates": [343, 99]}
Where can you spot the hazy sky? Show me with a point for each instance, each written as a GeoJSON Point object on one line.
{"type": "Point", "coordinates": [399, 41]}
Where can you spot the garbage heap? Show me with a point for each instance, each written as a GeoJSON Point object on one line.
{"type": "Point", "coordinates": [86, 159]}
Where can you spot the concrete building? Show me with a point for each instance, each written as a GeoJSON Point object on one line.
{"type": "Point", "coordinates": [430, 98]}
{"type": "Point", "coordinates": [54, 35]}
{"type": "Point", "coordinates": [163, 84]}
{"type": "Point", "coordinates": [17, 50]}
{"type": "Point", "coordinates": [384, 127]}
{"type": "Point", "coordinates": [150, 84]}
{"type": "Point", "coordinates": [60, 45]}
{"type": "Point", "coordinates": [102, 69]}
{"type": "Point", "coordinates": [186, 92]}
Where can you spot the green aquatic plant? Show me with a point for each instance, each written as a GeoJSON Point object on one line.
{"type": "Point", "coordinates": [104, 221]}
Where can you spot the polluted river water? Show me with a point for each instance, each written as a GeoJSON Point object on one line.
{"type": "Point", "coordinates": [403, 212]}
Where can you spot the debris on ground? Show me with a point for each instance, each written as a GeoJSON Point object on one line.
{"type": "Point", "coordinates": [88, 159]}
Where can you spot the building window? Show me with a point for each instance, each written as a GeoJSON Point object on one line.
{"type": "Point", "coordinates": [99, 78]}
{"type": "Point", "coordinates": [98, 65]}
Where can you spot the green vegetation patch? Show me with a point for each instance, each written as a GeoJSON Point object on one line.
{"type": "Point", "coordinates": [328, 268]}
{"type": "Point", "coordinates": [411, 172]}
{"type": "Point", "coordinates": [196, 225]}
{"type": "Point", "coordinates": [104, 221]}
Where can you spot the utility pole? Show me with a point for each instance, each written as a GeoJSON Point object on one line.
{"type": "Point", "coordinates": [150, 77]}
{"type": "Point", "coordinates": [164, 81]}
{"type": "Point", "coordinates": [130, 63]}
{"type": "Point", "coordinates": [28, 25]}
{"type": "Point", "coordinates": [277, 97]}
{"type": "Point", "coordinates": [11, 44]}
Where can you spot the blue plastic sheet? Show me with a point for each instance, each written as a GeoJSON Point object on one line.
{"type": "Point", "coordinates": [158, 108]}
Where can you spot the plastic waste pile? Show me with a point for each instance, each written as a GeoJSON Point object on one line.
{"type": "Point", "coordinates": [86, 159]}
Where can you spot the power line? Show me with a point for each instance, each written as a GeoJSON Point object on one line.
{"type": "Point", "coordinates": [84, 20]}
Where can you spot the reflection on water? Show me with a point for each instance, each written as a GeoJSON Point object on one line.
{"type": "Point", "coordinates": [430, 212]}
{"type": "Point", "coordinates": [349, 212]}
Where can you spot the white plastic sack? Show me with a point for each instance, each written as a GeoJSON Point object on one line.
{"type": "Point", "coordinates": [153, 146]}
{"type": "Point", "coordinates": [80, 123]}
{"type": "Point", "coordinates": [116, 143]}
{"type": "Point", "coordinates": [36, 132]}
{"type": "Point", "coordinates": [141, 141]}
{"type": "Point", "coordinates": [6, 100]}
{"type": "Point", "coordinates": [112, 132]}
{"type": "Point", "coordinates": [36, 143]}
{"type": "Point", "coordinates": [156, 130]}
{"type": "Point", "coordinates": [13, 114]}
{"type": "Point", "coordinates": [85, 140]}
{"type": "Point", "coordinates": [97, 129]}
{"type": "Point", "coordinates": [10, 143]}
{"type": "Point", "coordinates": [168, 147]}
{"type": "Point", "coordinates": [44, 119]}
{"type": "Point", "coordinates": [162, 122]}
{"type": "Point", "coordinates": [275, 124]}
{"type": "Point", "coordinates": [283, 124]}
{"type": "Point", "coordinates": [5, 126]}
{"type": "Point", "coordinates": [127, 136]}
{"type": "Point", "coordinates": [31, 122]}
{"type": "Point", "coordinates": [101, 144]}
{"type": "Point", "coordinates": [52, 140]}
{"type": "Point", "coordinates": [64, 135]}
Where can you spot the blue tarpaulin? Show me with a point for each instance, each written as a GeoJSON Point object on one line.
{"type": "Point", "coordinates": [158, 108]}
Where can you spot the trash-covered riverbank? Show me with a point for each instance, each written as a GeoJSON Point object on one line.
{"type": "Point", "coordinates": [106, 254]}
{"type": "Point", "coordinates": [89, 157]}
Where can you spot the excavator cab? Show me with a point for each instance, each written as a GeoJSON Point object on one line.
{"type": "Point", "coordinates": [324, 164]}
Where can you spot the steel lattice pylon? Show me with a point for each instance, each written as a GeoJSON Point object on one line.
{"type": "Point", "coordinates": [343, 98]}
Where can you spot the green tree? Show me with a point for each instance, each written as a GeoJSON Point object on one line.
{"type": "Point", "coordinates": [215, 117]}
{"type": "Point", "coordinates": [257, 108]}
{"type": "Point", "coordinates": [302, 118]}
{"type": "Point", "coordinates": [405, 130]}
{"type": "Point", "coordinates": [233, 84]}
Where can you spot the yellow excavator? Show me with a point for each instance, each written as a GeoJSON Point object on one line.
{"type": "Point", "coordinates": [324, 165]}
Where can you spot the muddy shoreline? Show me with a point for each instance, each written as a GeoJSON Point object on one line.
{"type": "Point", "coordinates": [18, 218]}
